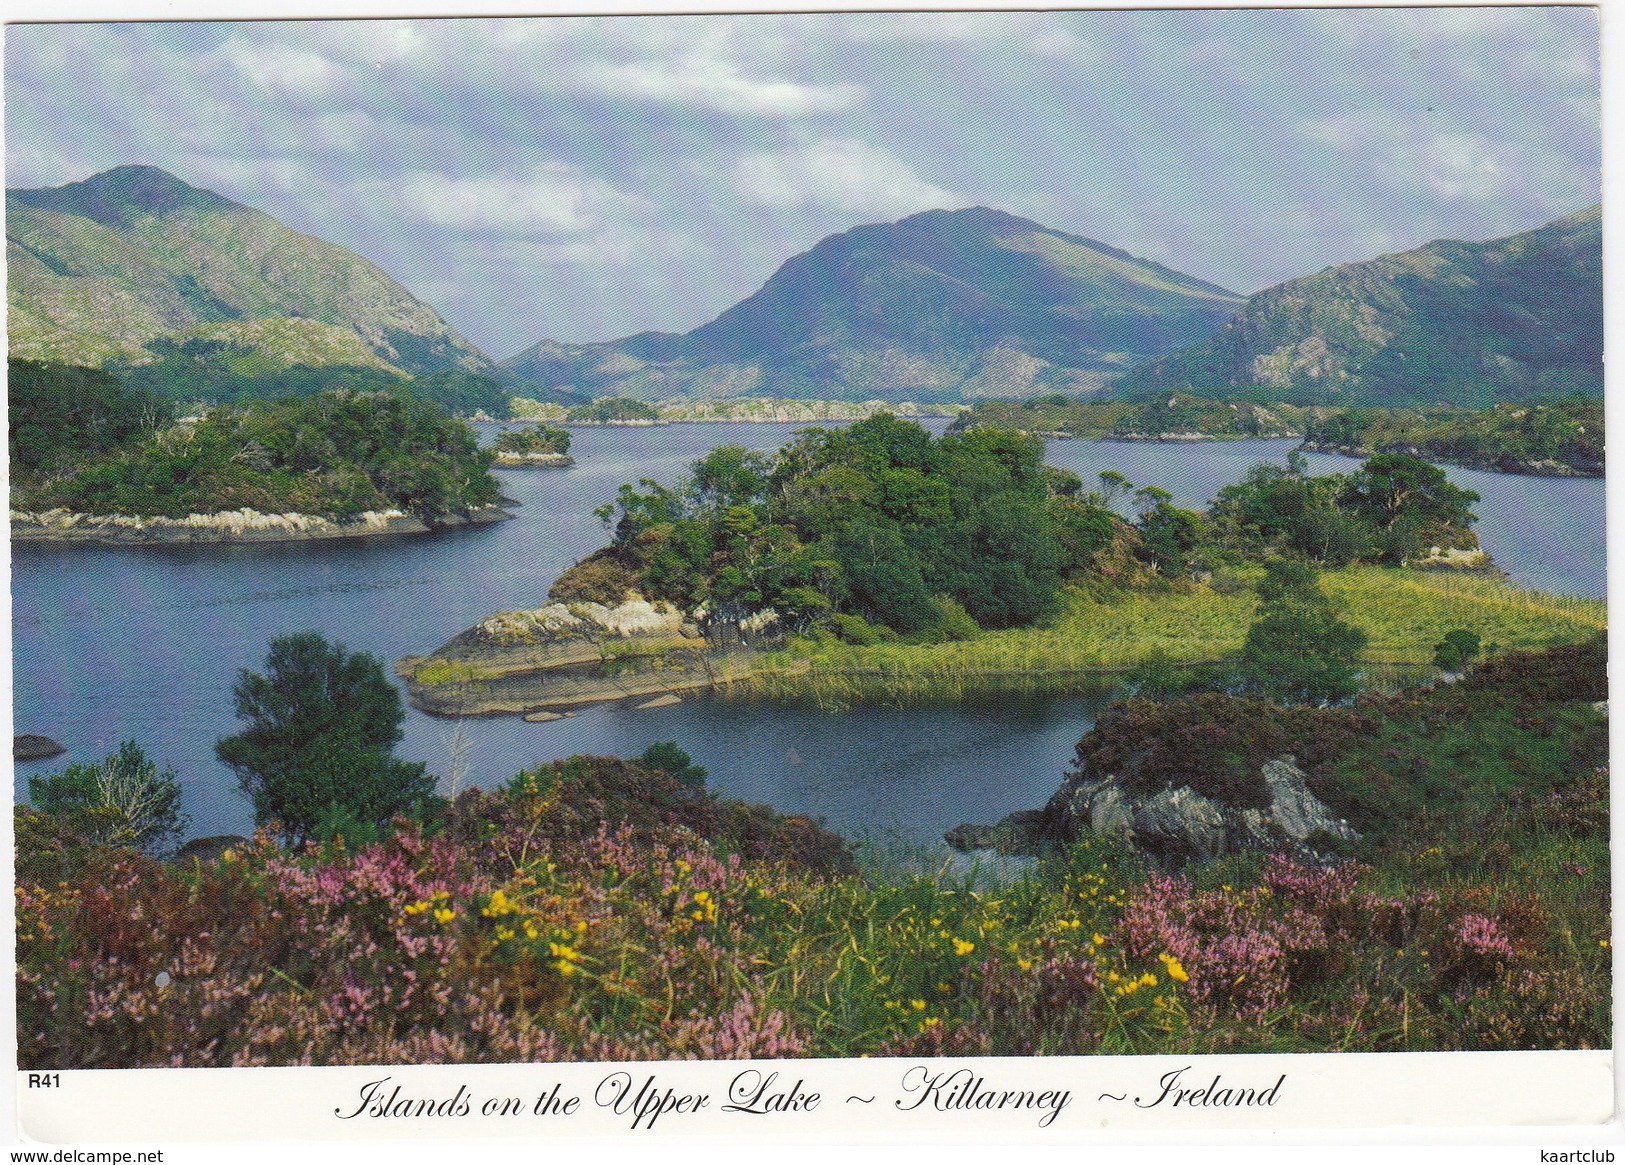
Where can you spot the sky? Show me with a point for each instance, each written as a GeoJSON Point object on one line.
{"type": "Point", "coordinates": [584, 178]}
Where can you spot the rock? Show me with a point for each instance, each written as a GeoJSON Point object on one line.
{"type": "Point", "coordinates": [1015, 834]}
{"type": "Point", "coordinates": [210, 849]}
{"type": "Point", "coordinates": [1174, 825]}
{"type": "Point", "coordinates": [31, 747]}
{"type": "Point", "coordinates": [665, 701]}
{"type": "Point", "coordinates": [543, 717]}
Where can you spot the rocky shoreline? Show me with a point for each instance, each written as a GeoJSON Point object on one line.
{"type": "Point", "coordinates": [231, 526]}
{"type": "Point", "coordinates": [533, 461]}
{"type": "Point", "coordinates": [562, 657]}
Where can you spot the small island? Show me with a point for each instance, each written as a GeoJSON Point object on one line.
{"type": "Point", "coordinates": [878, 562]}
{"type": "Point", "coordinates": [533, 447]}
{"type": "Point", "coordinates": [1177, 417]}
{"type": "Point", "coordinates": [1552, 440]}
{"type": "Point", "coordinates": [94, 460]}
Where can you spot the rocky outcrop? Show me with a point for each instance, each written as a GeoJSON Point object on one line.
{"type": "Point", "coordinates": [570, 655]}
{"type": "Point", "coordinates": [228, 526]}
{"type": "Point", "coordinates": [1173, 825]}
{"type": "Point", "coordinates": [31, 747]}
{"type": "Point", "coordinates": [1456, 559]}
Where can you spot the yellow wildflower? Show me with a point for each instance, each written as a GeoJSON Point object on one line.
{"type": "Point", "coordinates": [444, 915]}
{"type": "Point", "coordinates": [961, 947]}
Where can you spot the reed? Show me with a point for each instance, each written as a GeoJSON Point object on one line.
{"type": "Point", "coordinates": [1093, 642]}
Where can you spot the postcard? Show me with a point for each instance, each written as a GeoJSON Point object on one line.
{"type": "Point", "coordinates": [971, 576]}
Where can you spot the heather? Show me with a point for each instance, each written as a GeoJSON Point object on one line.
{"type": "Point", "coordinates": [601, 909]}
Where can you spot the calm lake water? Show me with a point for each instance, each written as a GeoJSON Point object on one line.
{"type": "Point", "coordinates": [114, 643]}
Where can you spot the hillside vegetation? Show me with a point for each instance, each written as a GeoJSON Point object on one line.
{"type": "Point", "coordinates": [1518, 318]}
{"type": "Point", "coordinates": [99, 269]}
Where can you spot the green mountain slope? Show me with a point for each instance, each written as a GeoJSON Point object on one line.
{"type": "Point", "coordinates": [99, 268]}
{"type": "Point", "coordinates": [1452, 322]}
{"type": "Point", "coordinates": [942, 305]}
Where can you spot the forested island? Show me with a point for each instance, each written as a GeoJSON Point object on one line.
{"type": "Point", "coordinates": [95, 459]}
{"type": "Point", "coordinates": [533, 447]}
{"type": "Point", "coordinates": [1552, 440]}
{"type": "Point", "coordinates": [878, 561]}
{"type": "Point", "coordinates": [1563, 439]}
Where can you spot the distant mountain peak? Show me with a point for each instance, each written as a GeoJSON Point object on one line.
{"type": "Point", "coordinates": [117, 196]}
{"type": "Point", "coordinates": [943, 304]}
{"type": "Point", "coordinates": [983, 218]}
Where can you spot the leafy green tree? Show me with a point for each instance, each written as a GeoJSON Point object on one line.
{"type": "Point", "coordinates": [1298, 650]}
{"type": "Point", "coordinates": [122, 800]}
{"type": "Point", "coordinates": [730, 475]}
{"type": "Point", "coordinates": [322, 723]}
{"type": "Point", "coordinates": [1403, 497]}
{"type": "Point", "coordinates": [666, 757]}
{"type": "Point", "coordinates": [1460, 647]}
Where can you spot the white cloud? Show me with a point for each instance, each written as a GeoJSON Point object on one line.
{"type": "Point", "coordinates": [551, 201]}
{"type": "Point", "coordinates": [283, 70]}
{"type": "Point", "coordinates": [1453, 165]}
{"type": "Point", "coordinates": [1466, 166]}
{"type": "Point", "coordinates": [714, 83]}
{"type": "Point", "coordinates": [841, 173]}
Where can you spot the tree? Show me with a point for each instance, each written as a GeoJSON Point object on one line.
{"type": "Point", "coordinates": [1459, 649]}
{"type": "Point", "coordinates": [666, 757]}
{"type": "Point", "coordinates": [322, 722]}
{"type": "Point", "coordinates": [1404, 497]}
{"type": "Point", "coordinates": [123, 800]}
{"type": "Point", "coordinates": [1298, 650]}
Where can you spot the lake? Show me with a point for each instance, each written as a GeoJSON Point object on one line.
{"type": "Point", "coordinates": [115, 643]}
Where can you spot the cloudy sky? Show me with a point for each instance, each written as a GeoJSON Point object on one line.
{"type": "Point", "coordinates": [584, 178]}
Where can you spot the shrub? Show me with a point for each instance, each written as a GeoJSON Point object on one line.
{"type": "Point", "coordinates": [122, 800]}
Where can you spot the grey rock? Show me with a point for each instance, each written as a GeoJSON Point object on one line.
{"type": "Point", "coordinates": [1174, 825]}
{"type": "Point", "coordinates": [209, 849]}
{"type": "Point", "coordinates": [32, 747]}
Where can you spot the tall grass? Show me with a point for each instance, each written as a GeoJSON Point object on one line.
{"type": "Point", "coordinates": [1091, 640]}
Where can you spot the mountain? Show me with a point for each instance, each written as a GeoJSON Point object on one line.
{"type": "Point", "coordinates": [1451, 322]}
{"type": "Point", "coordinates": [100, 269]}
{"type": "Point", "coordinates": [941, 305]}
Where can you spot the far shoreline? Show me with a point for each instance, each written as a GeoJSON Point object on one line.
{"type": "Point", "coordinates": [233, 527]}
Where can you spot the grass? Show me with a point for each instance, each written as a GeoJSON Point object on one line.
{"type": "Point", "coordinates": [1405, 613]}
